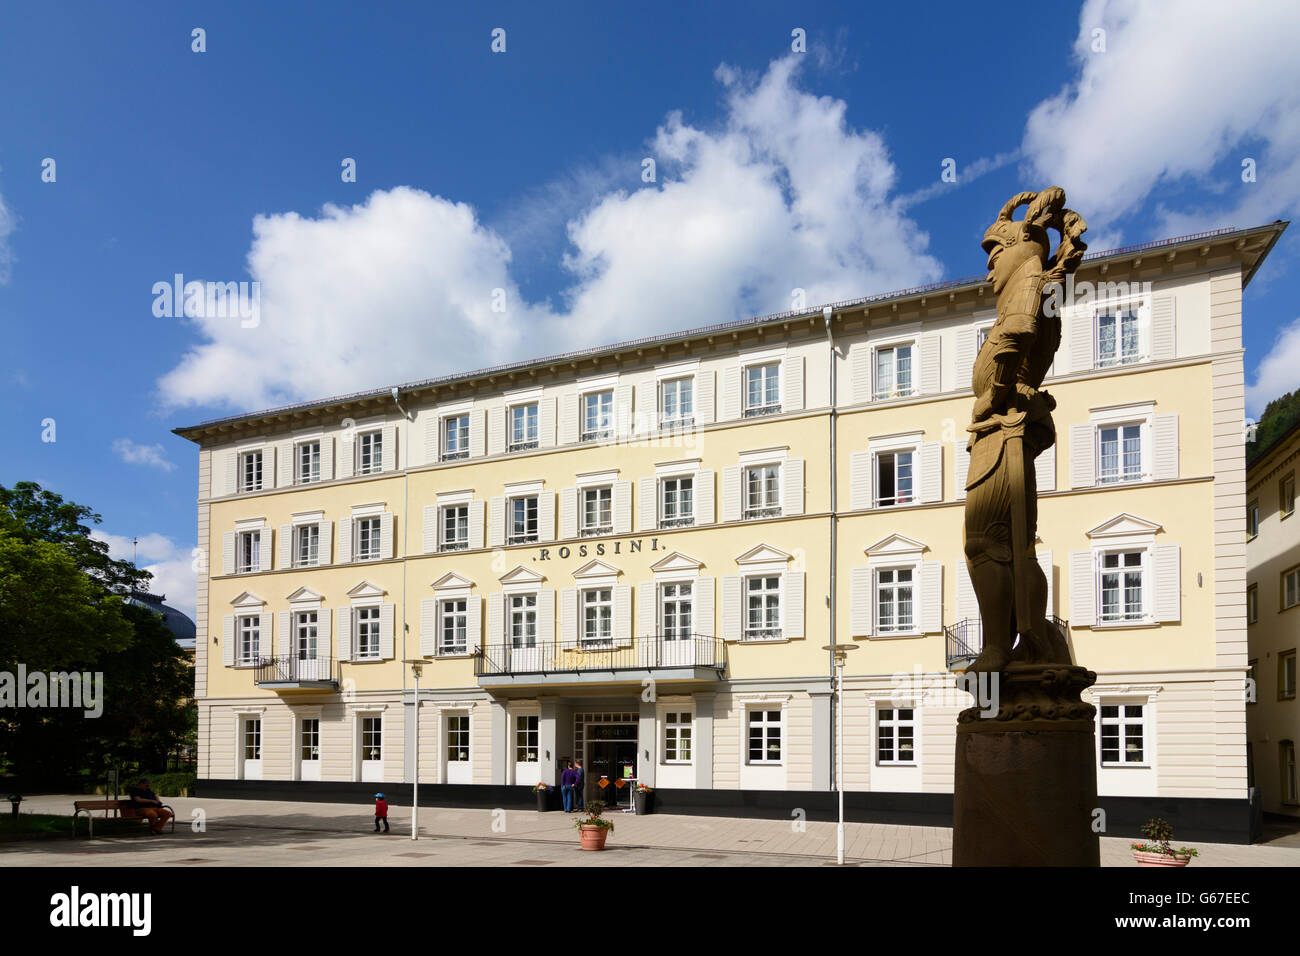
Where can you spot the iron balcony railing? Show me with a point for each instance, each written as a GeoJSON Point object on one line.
{"type": "Point", "coordinates": [604, 654]}
{"type": "Point", "coordinates": [965, 639]}
{"type": "Point", "coordinates": [291, 669]}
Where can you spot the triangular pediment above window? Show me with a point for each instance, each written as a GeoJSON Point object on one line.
{"type": "Point", "coordinates": [596, 569]}
{"type": "Point", "coordinates": [762, 554]}
{"type": "Point", "coordinates": [521, 575]}
{"type": "Point", "coordinates": [453, 580]}
{"type": "Point", "coordinates": [365, 589]}
{"type": "Point", "coordinates": [247, 599]}
{"type": "Point", "coordinates": [677, 562]}
{"type": "Point", "coordinates": [896, 544]}
{"type": "Point", "coordinates": [1124, 524]}
{"type": "Point", "coordinates": [303, 594]}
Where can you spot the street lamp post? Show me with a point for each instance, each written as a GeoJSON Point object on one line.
{"type": "Point", "coordinates": [841, 652]}
{"type": "Point", "coordinates": [416, 665]}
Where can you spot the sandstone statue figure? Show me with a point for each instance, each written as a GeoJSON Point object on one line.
{"type": "Point", "coordinates": [1012, 424]}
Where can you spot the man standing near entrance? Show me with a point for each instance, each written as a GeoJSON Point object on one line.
{"type": "Point", "coordinates": [579, 780]}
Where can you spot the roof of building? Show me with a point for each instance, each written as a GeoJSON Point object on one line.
{"type": "Point", "coordinates": [1229, 235]}
{"type": "Point", "coordinates": [178, 622]}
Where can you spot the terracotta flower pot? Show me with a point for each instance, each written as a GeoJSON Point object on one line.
{"type": "Point", "coordinates": [1160, 859]}
{"type": "Point", "coordinates": [593, 838]}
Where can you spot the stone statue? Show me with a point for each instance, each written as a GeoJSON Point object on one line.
{"type": "Point", "coordinates": [1012, 424]}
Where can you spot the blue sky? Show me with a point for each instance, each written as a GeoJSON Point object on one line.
{"type": "Point", "coordinates": [522, 171]}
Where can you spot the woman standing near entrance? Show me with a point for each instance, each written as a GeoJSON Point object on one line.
{"type": "Point", "coordinates": [567, 776]}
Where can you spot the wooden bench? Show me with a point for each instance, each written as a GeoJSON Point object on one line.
{"type": "Point", "coordinates": [124, 809]}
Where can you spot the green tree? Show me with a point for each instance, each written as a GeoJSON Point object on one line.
{"type": "Point", "coordinates": [1278, 417]}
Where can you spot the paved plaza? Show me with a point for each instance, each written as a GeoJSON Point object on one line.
{"type": "Point", "coordinates": [275, 833]}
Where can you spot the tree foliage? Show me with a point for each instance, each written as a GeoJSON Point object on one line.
{"type": "Point", "coordinates": [1278, 417]}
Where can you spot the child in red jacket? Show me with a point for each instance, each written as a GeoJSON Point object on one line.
{"type": "Point", "coordinates": [381, 812]}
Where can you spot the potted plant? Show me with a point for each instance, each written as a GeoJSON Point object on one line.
{"type": "Point", "coordinates": [643, 797]}
{"type": "Point", "coordinates": [592, 828]}
{"type": "Point", "coordinates": [543, 792]}
{"type": "Point", "coordinates": [1158, 852]}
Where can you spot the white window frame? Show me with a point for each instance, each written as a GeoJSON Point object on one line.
{"type": "Point", "coordinates": [1252, 603]}
{"type": "Point", "coordinates": [301, 452]}
{"type": "Point", "coordinates": [248, 543]}
{"type": "Point", "coordinates": [462, 750]}
{"type": "Point", "coordinates": [1286, 489]}
{"type": "Point", "coordinates": [766, 632]}
{"type": "Point", "coordinates": [1252, 519]}
{"type": "Point", "coordinates": [677, 601]}
{"type": "Point", "coordinates": [523, 607]}
{"type": "Point", "coordinates": [1140, 306]}
{"type": "Point", "coordinates": [681, 419]}
{"type": "Point", "coordinates": [680, 519]}
{"type": "Point", "coordinates": [300, 533]}
{"type": "Point", "coordinates": [1146, 616]}
{"type": "Point", "coordinates": [376, 552]}
{"type": "Point", "coordinates": [913, 584]}
{"type": "Point", "coordinates": [373, 615]}
{"type": "Point", "coordinates": [308, 751]}
{"type": "Point", "coordinates": [527, 738]}
{"type": "Point", "coordinates": [601, 600]}
{"type": "Point", "coordinates": [676, 723]}
{"type": "Point", "coordinates": [1290, 578]}
{"type": "Point", "coordinates": [453, 611]}
{"type": "Point", "coordinates": [254, 460]}
{"type": "Point", "coordinates": [881, 394]}
{"type": "Point", "coordinates": [371, 442]}
{"type": "Point", "coordinates": [895, 723]}
{"type": "Point", "coordinates": [914, 456]}
{"type": "Point", "coordinates": [1282, 689]}
{"type": "Point", "coordinates": [526, 443]}
{"type": "Point", "coordinates": [1122, 721]}
{"type": "Point", "coordinates": [765, 723]}
{"type": "Point", "coordinates": [752, 513]}
{"type": "Point", "coordinates": [604, 427]}
{"type": "Point", "coordinates": [585, 529]}
{"type": "Point", "coordinates": [770, 370]}
{"type": "Point", "coordinates": [251, 734]}
{"type": "Point", "coordinates": [527, 537]}
{"type": "Point", "coordinates": [243, 658]}
{"type": "Point", "coordinates": [458, 543]}
{"type": "Point", "coordinates": [363, 720]}
{"type": "Point", "coordinates": [446, 451]}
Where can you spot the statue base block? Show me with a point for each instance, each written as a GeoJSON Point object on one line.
{"type": "Point", "coordinates": [1025, 787]}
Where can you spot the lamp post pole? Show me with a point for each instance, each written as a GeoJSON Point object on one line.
{"type": "Point", "coordinates": [416, 666]}
{"type": "Point", "coordinates": [841, 653]}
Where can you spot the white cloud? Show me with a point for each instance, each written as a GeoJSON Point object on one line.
{"type": "Point", "coordinates": [170, 564]}
{"type": "Point", "coordinates": [1183, 92]}
{"type": "Point", "coordinates": [7, 226]}
{"type": "Point", "coordinates": [783, 194]}
{"type": "Point", "coordinates": [133, 454]}
{"type": "Point", "coordinates": [1278, 372]}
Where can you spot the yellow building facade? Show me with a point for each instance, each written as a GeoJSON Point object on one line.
{"type": "Point", "coordinates": [635, 556]}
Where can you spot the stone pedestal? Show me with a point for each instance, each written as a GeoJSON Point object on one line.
{"type": "Point", "coordinates": [1025, 790]}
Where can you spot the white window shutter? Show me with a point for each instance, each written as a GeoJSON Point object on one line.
{"type": "Point", "coordinates": [225, 464]}
{"type": "Point", "coordinates": [347, 454]}
{"type": "Point", "coordinates": [623, 615]}
{"type": "Point", "coordinates": [731, 493]}
{"type": "Point", "coordinates": [623, 411]}
{"type": "Point", "coordinates": [386, 532]}
{"type": "Point", "coordinates": [432, 433]}
{"type": "Point", "coordinates": [792, 394]}
{"type": "Point", "coordinates": [968, 605]}
{"type": "Point", "coordinates": [474, 623]}
{"type": "Point", "coordinates": [388, 438]}
{"type": "Point", "coordinates": [1165, 439]}
{"type": "Point", "coordinates": [228, 553]}
{"type": "Point", "coordinates": [429, 529]}
{"type": "Point", "coordinates": [496, 430]}
{"type": "Point", "coordinates": [860, 496]}
{"type": "Point", "coordinates": [343, 632]}
{"type": "Point", "coordinates": [476, 508]}
{"type": "Point", "coordinates": [704, 410]}
{"type": "Point", "coordinates": [622, 506]}
{"type": "Point", "coordinates": [1045, 469]}
{"type": "Point", "coordinates": [546, 516]}
{"type": "Point", "coordinates": [327, 458]}
{"type": "Point", "coordinates": [1167, 570]}
{"type": "Point", "coordinates": [1078, 326]}
{"type": "Point", "coordinates": [496, 534]}
{"type": "Point", "coordinates": [546, 617]}
{"type": "Point", "coordinates": [960, 469]}
{"type": "Point", "coordinates": [568, 617]}
{"type": "Point", "coordinates": [702, 613]}
{"type": "Point", "coordinates": [546, 422]}
{"type": "Point", "coordinates": [792, 613]}
{"type": "Point", "coordinates": [931, 471]}
{"type": "Point", "coordinates": [264, 549]}
{"type": "Point", "coordinates": [647, 506]}
{"type": "Point", "coordinates": [1164, 337]}
{"type": "Point", "coordinates": [931, 597]}
{"type": "Point", "coordinates": [568, 419]}
{"type": "Point", "coordinates": [860, 372]}
{"type": "Point", "coordinates": [731, 610]}
{"type": "Point", "coordinates": [496, 619]}
{"type": "Point", "coordinates": [283, 636]}
{"type": "Point", "coordinates": [228, 640]}
{"type": "Point", "coordinates": [965, 353]}
{"type": "Point", "coordinates": [860, 598]}
{"type": "Point", "coordinates": [286, 551]}
{"type": "Point", "coordinates": [386, 631]}
{"type": "Point", "coordinates": [792, 486]}
{"type": "Point", "coordinates": [730, 393]}
{"type": "Point", "coordinates": [647, 610]}
{"type": "Point", "coordinates": [1045, 562]}
{"type": "Point", "coordinates": [478, 433]}
{"type": "Point", "coordinates": [704, 513]}
{"type": "Point", "coordinates": [931, 378]}
{"type": "Point", "coordinates": [428, 627]}
{"type": "Point", "coordinates": [323, 634]}
{"type": "Point", "coordinates": [568, 513]}
{"type": "Point", "coordinates": [1082, 453]}
{"type": "Point", "coordinates": [1083, 589]}
{"type": "Point", "coordinates": [325, 543]}
{"type": "Point", "coordinates": [284, 464]}
{"type": "Point", "coordinates": [345, 541]}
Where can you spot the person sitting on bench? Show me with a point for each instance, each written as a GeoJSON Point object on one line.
{"type": "Point", "coordinates": [146, 804]}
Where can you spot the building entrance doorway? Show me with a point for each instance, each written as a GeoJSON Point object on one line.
{"type": "Point", "coordinates": [609, 753]}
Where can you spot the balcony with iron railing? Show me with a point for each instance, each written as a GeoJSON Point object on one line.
{"type": "Point", "coordinates": [964, 640]}
{"type": "Point", "coordinates": [690, 657]}
{"type": "Point", "coordinates": [291, 672]}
